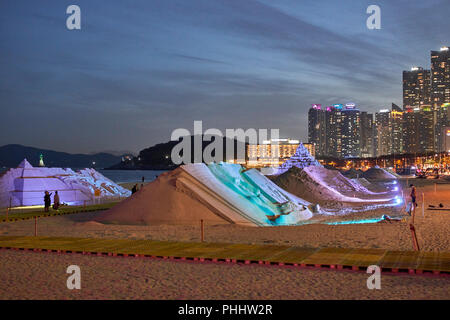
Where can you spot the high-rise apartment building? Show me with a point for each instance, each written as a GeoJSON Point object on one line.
{"type": "Point", "coordinates": [440, 93]}
{"type": "Point", "coordinates": [351, 132]}
{"type": "Point", "coordinates": [383, 132]}
{"type": "Point", "coordinates": [333, 124]}
{"type": "Point", "coordinates": [367, 135]}
{"type": "Point", "coordinates": [443, 122]}
{"type": "Point", "coordinates": [396, 119]}
{"type": "Point", "coordinates": [410, 130]}
{"type": "Point", "coordinates": [416, 88]}
{"type": "Point", "coordinates": [317, 129]}
{"type": "Point", "coordinates": [440, 77]}
{"type": "Point", "coordinates": [426, 130]}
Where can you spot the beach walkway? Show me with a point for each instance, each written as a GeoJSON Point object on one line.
{"type": "Point", "coordinates": [409, 262]}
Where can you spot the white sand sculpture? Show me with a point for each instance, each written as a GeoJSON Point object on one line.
{"type": "Point", "coordinates": [300, 159]}
{"type": "Point", "coordinates": [377, 173]}
{"type": "Point", "coordinates": [25, 185]}
{"type": "Point", "coordinates": [320, 185]}
{"type": "Point", "coordinates": [216, 193]}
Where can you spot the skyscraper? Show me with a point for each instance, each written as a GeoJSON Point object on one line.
{"type": "Point", "coordinates": [383, 132]}
{"type": "Point", "coordinates": [410, 130]}
{"type": "Point", "coordinates": [317, 129]}
{"type": "Point", "coordinates": [351, 132]}
{"type": "Point", "coordinates": [333, 123]}
{"type": "Point", "coordinates": [426, 130]}
{"type": "Point", "coordinates": [396, 119]}
{"type": "Point", "coordinates": [367, 131]}
{"type": "Point", "coordinates": [418, 119]}
{"type": "Point", "coordinates": [440, 93]}
{"type": "Point", "coordinates": [440, 77]}
{"type": "Point", "coordinates": [416, 88]}
{"type": "Point", "coordinates": [443, 123]}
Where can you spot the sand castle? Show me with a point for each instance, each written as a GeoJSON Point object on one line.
{"type": "Point", "coordinates": [217, 193]}
{"type": "Point", "coordinates": [25, 185]}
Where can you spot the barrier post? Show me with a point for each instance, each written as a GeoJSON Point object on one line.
{"type": "Point", "coordinates": [35, 226]}
{"type": "Point", "coordinates": [423, 205]}
{"type": "Point", "coordinates": [202, 230]}
{"type": "Point", "coordinates": [414, 237]}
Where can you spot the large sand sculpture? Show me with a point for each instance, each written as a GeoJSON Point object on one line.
{"type": "Point", "coordinates": [327, 187]}
{"type": "Point", "coordinates": [25, 185]}
{"type": "Point", "coordinates": [215, 193]}
{"type": "Point", "coordinates": [377, 173]}
{"type": "Point", "coordinates": [300, 159]}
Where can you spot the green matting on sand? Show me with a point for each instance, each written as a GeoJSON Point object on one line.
{"type": "Point", "coordinates": [437, 262]}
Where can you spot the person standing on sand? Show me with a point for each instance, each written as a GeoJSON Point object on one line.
{"type": "Point", "coordinates": [413, 196]}
{"type": "Point", "coordinates": [56, 201]}
{"type": "Point", "coordinates": [47, 201]}
{"type": "Point", "coordinates": [134, 189]}
{"type": "Point", "coordinates": [143, 179]}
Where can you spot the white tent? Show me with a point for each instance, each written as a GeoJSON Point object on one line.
{"type": "Point", "coordinates": [25, 185]}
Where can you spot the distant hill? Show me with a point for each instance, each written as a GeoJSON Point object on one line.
{"type": "Point", "coordinates": [11, 155]}
{"type": "Point", "coordinates": [158, 157]}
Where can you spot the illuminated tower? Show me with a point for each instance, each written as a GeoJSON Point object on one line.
{"type": "Point", "coordinates": [351, 132]}
{"type": "Point", "coordinates": [41, 160]}
{"type": "Point", "coordinates": [416, 88]}
{"type": "Point", "coordinates": [317, 129]}
{"type": "Point", "coordinates": [440, 93]}
{"type": "Point", "coordinates": [440, 77]}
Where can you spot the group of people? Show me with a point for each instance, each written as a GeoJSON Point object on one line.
{"type": "Point", "coordinates": [48, 201]}
{"type": "Point", "coordinates": [136, 188]}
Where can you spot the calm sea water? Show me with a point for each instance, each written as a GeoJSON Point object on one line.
{"type": "Point", "coordinates": [123, 176]}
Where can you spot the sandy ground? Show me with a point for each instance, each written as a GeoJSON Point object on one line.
{"type": "Point", "coordinates": [433, 230]}
{"type": "Point", "coordinates": [28, 275]}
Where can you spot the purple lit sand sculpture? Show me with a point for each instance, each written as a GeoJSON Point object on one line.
{"type": "Point", "coordinates": [25, 186]}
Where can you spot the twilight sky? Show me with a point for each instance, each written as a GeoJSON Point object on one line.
{"type": "Point", "coordinates": [137, 70]}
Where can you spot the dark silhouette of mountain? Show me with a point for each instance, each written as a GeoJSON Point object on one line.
{"type": "Point", "coordinates": [11, 155]}
{"type": "Point", "coordinates": [158, 157]}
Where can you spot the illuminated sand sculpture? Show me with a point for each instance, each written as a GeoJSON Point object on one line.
{"type": "Point", "coordinates": [217, 193]}
{"type": "Point", "coordinates": [25, 186]}
{"type": "Point", "coordinates": [300, 159]}
{"type": "Point", "coordinates": [331, 189]}
{"type": "Point", "coordinates": [377, 173]}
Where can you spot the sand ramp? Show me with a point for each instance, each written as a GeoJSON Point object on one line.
{"type": "Point", "coordinates": [217, 193]}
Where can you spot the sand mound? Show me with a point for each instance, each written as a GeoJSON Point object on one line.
{"type": "Point", "coordinates": [87, 224]}
{"type": "Point", "coordinates": [161, 202]}
{"type": "Point", "coordinates": [378, 174]}
{"type": "Point", "coordinates": [389, 170]}
{"type": "Point", "coordinates": [215, 193]}
{"type": "Point", "coordinates": [352, 173]}
{"type": "Point", "coordinates": [329, 188]}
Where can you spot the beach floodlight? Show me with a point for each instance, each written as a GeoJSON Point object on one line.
{"type": "Point", "coordinates": [398, 200]}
